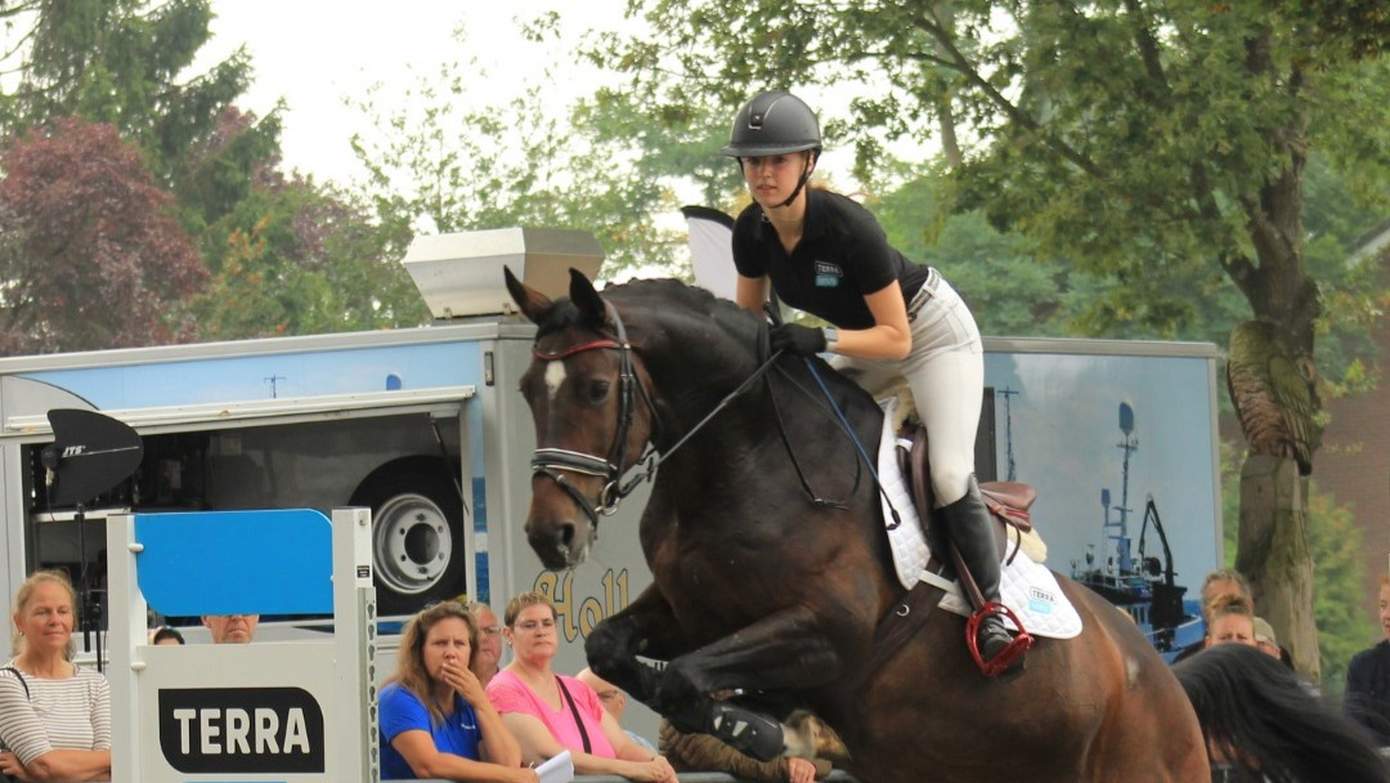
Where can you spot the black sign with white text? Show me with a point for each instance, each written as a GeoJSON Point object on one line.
{"type": "Point", "coordinates": [241, 730]}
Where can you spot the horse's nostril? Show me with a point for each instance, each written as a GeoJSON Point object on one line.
{"type": "Point", "coordinates": [567, 534]}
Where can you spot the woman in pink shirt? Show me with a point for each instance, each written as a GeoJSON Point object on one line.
{"type": "Point", "coordinates": [548, 713]}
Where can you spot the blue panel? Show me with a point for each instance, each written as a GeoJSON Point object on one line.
{"type": "Point", "coordinates": [260, 377]}
{"type": "Point", "coordinates": [480, 574]}
{"type": "Point", "coordinates": [480, 566]}
{"type": "Point", "coordinates": [236, 562]}
{"type": "Point", "coordinates": [479, 503]}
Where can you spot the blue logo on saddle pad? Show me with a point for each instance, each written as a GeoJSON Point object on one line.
{"type": "Point", "coordinates": [1040, 601]}
{"type": "Point", "coordinates": [828, 275]}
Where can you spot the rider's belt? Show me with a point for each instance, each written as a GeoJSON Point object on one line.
{"type": "Point", "coordinates": [924, 294]}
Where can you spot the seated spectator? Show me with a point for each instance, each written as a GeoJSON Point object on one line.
{"type": "Point", "coordinates": [550, 713]}
{"type": "Point", "coordinates": [1224, 581]}
{"type": "Point", "coordinates": [489, 652]}
{"type": "Point", "coordinates": [1218, 583]}
{"type": "Point", "coordinates": [166, 635]}
{"type": "Point", "coordinates": [55, 716]}
{"type": "Point", "coordinates": [1263, 724]}
{"type": "Point", "coordinates": [435, 719]}
{"type": "Point", "coordinates": [703, 753]}
{"type": "Point", "coordinates": [1265, 638]}
{"type": "Point", "coordinates": [614, 700]}
{"type": "Point", "coordinates": [231, 628]}
{"type": "Point", "coordinates": [1368, 678]}
{"type": "Point", "coordinates": [1230, 621]}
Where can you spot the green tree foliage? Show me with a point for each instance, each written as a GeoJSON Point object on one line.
{"type": "Point", "coordinates": [287, 255]}
{"type": "Point", "coordinates": [122, 62]}
{"type": "Point", "coordinates": [1161, 147]}
{"type": "Point", "coordinates": [125, 62]}
{"type": "Point", "coordinates": [93, 257]}
{"type": "Point", "coordinates": [443, 160]}
{"type": "Point", "coordinates": [679, 144]}
{"type": "Point", "coordinates": [1015, 289]}
{"type": "Point", "coordinates": [301, 259]}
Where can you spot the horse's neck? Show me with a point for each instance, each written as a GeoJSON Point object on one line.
{"type": "Point", "coordinates": [743, 445]}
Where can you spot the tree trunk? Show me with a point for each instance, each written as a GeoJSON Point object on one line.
{"type": "Point", "coordinates": [1273, 554]}
{"type": "Point", "coordinates": [950, 146]}
{"type": "Point", "coordinates": [945, 117]}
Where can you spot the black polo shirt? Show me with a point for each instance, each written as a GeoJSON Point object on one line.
{"type": "Point", "coordinates": [842, 256]}
{"type": "Point", "coordinates": [1368, 690]}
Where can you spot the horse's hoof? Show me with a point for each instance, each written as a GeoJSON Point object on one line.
{"type": "Point", "coordinates": [750, 733]}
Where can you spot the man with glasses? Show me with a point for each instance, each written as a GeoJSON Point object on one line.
{"type": "Point", "coordinates": [488, 657]}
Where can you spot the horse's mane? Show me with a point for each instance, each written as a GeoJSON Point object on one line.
{"type": "Point", "coordinates": [663, 298]}
{"type": "Point", "coordinates": [675, 307]}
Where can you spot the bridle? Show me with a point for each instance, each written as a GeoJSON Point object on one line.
{"type": "Point", "coordinates": [554, 462]}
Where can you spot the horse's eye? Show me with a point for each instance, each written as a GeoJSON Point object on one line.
{"type": "Point", "coordinates": [596, 391]}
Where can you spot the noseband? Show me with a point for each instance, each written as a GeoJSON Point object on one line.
{"type": "Point", "coordinates": [550, 462]}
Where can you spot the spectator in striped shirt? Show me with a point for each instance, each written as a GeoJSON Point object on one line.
{"type": "Point", "coordinates": [55, 716]}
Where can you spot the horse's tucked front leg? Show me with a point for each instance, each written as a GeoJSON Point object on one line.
{"type": "Point", "coordinates": [785, 651]}
{"type": "Point", "coordinates": [646, 627]}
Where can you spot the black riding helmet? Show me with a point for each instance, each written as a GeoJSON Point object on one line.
{"type": "Point", "coordinates": [773, 123]}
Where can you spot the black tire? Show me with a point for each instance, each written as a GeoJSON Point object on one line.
{"type": "Point", "coordinates": [417, 532]}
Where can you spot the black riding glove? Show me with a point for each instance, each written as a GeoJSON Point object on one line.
{"type": "Point", "coordinates": [797, 339]}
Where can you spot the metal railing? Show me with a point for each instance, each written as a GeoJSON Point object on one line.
{"type": "Point", "coordinates": [836, 776]}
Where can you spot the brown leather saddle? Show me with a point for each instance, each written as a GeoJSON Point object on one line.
{"type": "Point", "coordinates": [1008, 501]}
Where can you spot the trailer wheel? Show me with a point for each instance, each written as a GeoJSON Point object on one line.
{"type": "Point", "coordinates": [417, 532]}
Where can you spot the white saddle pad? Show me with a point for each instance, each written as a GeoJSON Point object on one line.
{"type": "Point", "coordinates": [1028, 588]}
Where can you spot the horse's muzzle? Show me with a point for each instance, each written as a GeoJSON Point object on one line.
{"type": "Point", "coordinates": [559, 544]}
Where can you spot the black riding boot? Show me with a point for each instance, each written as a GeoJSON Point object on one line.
{"type": "Point", "coordinates": [971, 527]}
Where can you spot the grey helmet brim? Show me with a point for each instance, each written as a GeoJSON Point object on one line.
{"type": "Point", "coordinates": [762, 150]}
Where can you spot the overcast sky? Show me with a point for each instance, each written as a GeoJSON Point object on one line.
{"type": "Point", "coordinates": [313, 53]}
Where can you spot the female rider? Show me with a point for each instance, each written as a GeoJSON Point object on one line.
{"type": "Point", "coordinates": [825, 254]}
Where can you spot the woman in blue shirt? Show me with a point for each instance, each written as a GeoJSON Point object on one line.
{"type": "Point", "coordinates": [435, 718]}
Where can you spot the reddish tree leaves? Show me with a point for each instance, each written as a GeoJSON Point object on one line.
{"type": "Point", "coordinates": [91, 256]}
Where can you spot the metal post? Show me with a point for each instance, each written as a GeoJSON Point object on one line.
{"type": "Point", "coordinates": [127, 632]}
{"type": "Point", "coordinates": [354, 642]}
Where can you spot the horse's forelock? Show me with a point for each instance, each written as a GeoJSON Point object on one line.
{"type": "Point", "coordinates": [561, 315]}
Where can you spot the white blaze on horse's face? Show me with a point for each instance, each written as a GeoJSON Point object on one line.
{"type": "Point", "coordinates": [554, 377]}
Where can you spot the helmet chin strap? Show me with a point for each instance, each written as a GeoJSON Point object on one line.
{"type": "Point", "coordinates": [801, 183]}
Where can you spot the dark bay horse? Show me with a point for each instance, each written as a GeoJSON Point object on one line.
{"type": "Point", "coordinates": [757, 588]}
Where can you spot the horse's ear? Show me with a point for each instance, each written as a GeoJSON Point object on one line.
{"type": "Point", "coordinates": [586, 298]}
{"type": "Point", "coordinates": [533, 303]}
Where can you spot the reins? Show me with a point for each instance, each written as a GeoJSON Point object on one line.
{"type": "Point", "coordinates": [774, 312]}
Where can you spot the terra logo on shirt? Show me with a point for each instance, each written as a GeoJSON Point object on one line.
{"type": "Point", "coordinates": [828, 275]}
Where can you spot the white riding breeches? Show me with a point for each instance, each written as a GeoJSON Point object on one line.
{"type": "Point", "coordinates": [946, 372]}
